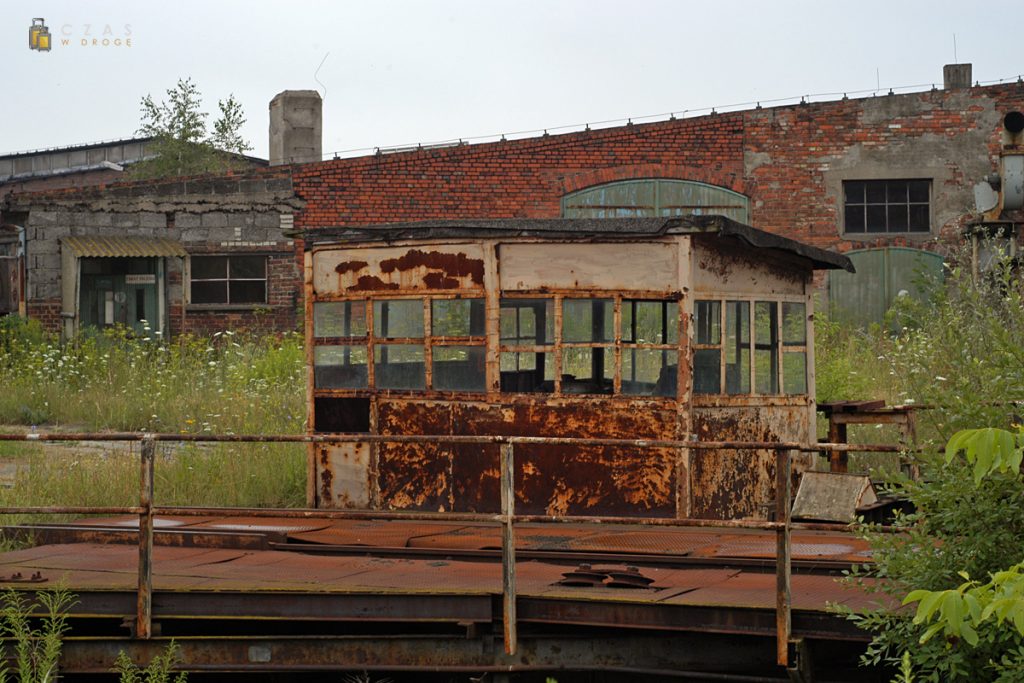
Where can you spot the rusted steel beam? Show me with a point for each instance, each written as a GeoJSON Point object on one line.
{"type": "Point", "coordinates": [783, 597]}
{"type": "Point", "coordinates": [144, 606]}
{"type": "Point", "coordinates": [508, 547]}
{"type": "Point", "coordinates": [686, 656]}
{"type": "Point", "coordinates": [69, 510]}
{"type": "Point", "coordinates": [454, 439]}
{"type": "Point", "coordinates": [838, 460]}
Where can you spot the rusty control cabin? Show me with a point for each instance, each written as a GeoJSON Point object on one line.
{"type": "Point", "coordinates": [680, 328]}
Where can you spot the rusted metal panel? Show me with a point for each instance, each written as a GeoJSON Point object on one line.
{"type": "Point", "coordinates": [389, 269]}
{"type": "Point", "coordinates": [734, 483]}
{"type": "Point", "coordinates": [650, 266]}
{"type": "Point", "coordinates": [343, 475]}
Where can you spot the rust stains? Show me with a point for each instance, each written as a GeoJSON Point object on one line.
{"type": "Point", "coordinates": [553, 480]}
{"type": "Point", "coordinates": [350, 267]}
{"type": "Point", "coordinates": [448, 265]}
{"type": "Point", "coordinates": [326, 477]}
{"type": "Point", "coordinates": [373, 283]}
{"type": "Point", "coordinates": [436, 280]}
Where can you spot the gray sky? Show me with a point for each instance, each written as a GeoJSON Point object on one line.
{"type": "Point", "coordinates": [403, 72]}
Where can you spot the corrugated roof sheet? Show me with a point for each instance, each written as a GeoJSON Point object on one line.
{"type": "Point", "coordinates": [113, 247]}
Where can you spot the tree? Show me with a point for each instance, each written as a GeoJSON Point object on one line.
{"type": "Point", "coordinates": [181, 143]}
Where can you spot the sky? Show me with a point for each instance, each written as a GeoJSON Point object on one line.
{"type": "Point", "coordinates": [396, 72]}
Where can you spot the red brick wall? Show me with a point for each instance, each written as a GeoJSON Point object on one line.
{"type": "Point", "coordinates": [284, 287]}
{"type": "Point", "coordinates": [789, 150]}
{"type": "Point", "coordinates": [521, 178]}
{"type": "Point", "coordinates": [46, 312]}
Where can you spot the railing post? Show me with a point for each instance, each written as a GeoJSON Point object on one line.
{"type": "Point", "coordinates": [144, 609]}
{"type": "Point", "coordinates": [508, 547]}
{"type": "Point", "coordinates": [783, 598]}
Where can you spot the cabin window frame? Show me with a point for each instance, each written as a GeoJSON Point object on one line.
{"type": "Point", "coordinates": [778, 345]}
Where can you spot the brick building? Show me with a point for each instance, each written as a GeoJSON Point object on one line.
{"type": "Point", "coordinates": [889, 180]}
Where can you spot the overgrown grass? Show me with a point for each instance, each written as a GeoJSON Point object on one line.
{"type": "Point", "coordinates": [110, 381]}
{"type": "Point", "coordinates": [229, 383]}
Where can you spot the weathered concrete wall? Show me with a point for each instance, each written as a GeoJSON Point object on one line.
{"type": "Point", "coordinates": [240, 215]}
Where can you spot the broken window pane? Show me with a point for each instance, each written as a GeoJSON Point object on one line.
{"type": "Point", "coordinates": [339, 319]}
{"type": "Point", "coordinates": [649, 372]}
{"type": "Point", "coordinates": [457, 318]}
{"type": "Point", "coordinates": [588, 320]}
{"type": "Point", "coordinates": [458, 368]}
{"type": "Point", "coordinates": [398, 319]}
{"type": "Point", "coordinates": [707, 371]}
{"type": "Point", "coordinates": [527, 372]}
{"type": "Point", "coordinates": [737, 347]}
{"type": "Point", "coordinates": [794, 372]}
{"type": "Point", "coordinates": [527, 322]}
{"type": "Point", "coordinates": [589, 370]}
{"type": "Point", "coordinates": [339, 367]}
{"type": "Point", "coordinates": [766, 347]}
{"type": "Point", "coordinates": [707, 322]}
{"type": "Point", "coordinates": [794, 324]}
{"type": "Point", "coordinates": [399, 366]}
{"type": "Point", "coordinates": [650, 322]}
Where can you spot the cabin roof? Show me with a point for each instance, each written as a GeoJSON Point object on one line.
{"type": "Point", "coordinates": [575, 229]}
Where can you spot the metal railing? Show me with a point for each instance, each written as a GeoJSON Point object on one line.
{"type": "Point", "coordinates": [782, 524]}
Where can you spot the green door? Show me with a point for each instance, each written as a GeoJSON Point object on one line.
{"type": "Point", "coordinates": [119, 291]}
{"type": "Point", "coordinates": [882, 275]}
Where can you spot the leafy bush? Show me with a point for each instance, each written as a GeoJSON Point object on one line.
{"type": "Point", "coordinates": [36, 647]}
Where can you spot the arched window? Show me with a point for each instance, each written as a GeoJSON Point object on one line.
{"type": "Point", "coordinates": [652, 197]}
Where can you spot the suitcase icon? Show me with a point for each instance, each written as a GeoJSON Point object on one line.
{"type": "Point", "coordinates": [39, 35]}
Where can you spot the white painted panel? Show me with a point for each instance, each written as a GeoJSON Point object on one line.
{"type": "Point", "coordinates": [343, 472]}
{"type": "Point", "coordinates": [737, 270]}
{"type": "Point", "coordinates": [649, 266]}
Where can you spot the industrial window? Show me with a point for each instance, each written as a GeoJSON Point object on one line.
{"type": "Point", "coordinates": [404, 334]}
{"type": "Point", "coordinates": [398, 352]}
{"type": "Point", "coordinates": [646, 369]}
{"type": "Point", "coordinates": [458, 349]}
{"type": "Point", "coordinates": [605, 345]}
{"type": "Point", "coordinates": [726, 337]}
{"type": "Point", "coordinates": [887, 206]}
{"type": "Point", "coordinates": [228, 279]}
{"type": "Point", "coordinates": [527, 331]}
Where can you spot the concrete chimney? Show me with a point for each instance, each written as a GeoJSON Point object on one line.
{"type": "Point", "coordinates": [296, 127]}
{"type": "Point", "coordinates": [956, 76]}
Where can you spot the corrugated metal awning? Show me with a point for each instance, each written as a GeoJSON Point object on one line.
{"type": "Point", "coordinates": [114, 247]}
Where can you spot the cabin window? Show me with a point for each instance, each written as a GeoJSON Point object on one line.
{"type": "Point", "coordinates": [728, 334]}
{"type": "Point", "coordinates": [766, 347]}
{"type": "Point", "coordinates": [527, 331]}
{"type": "Point", "coordinates": [647, 371]}
{"type": "Point", "coordinates": [398, 352]}
{"type": "Point", "coordinates": [341, 366]}
{"type": "Point", "coordinates": [737, 347]}
{"type": "Point", "coordinates": [458, 366]}
{"type": "Point", "coordinates": [707, 352]}
{"type": "Point", "coordinates": [588, 336]}
{"type": "Point", "coordinates": [794, 348]}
